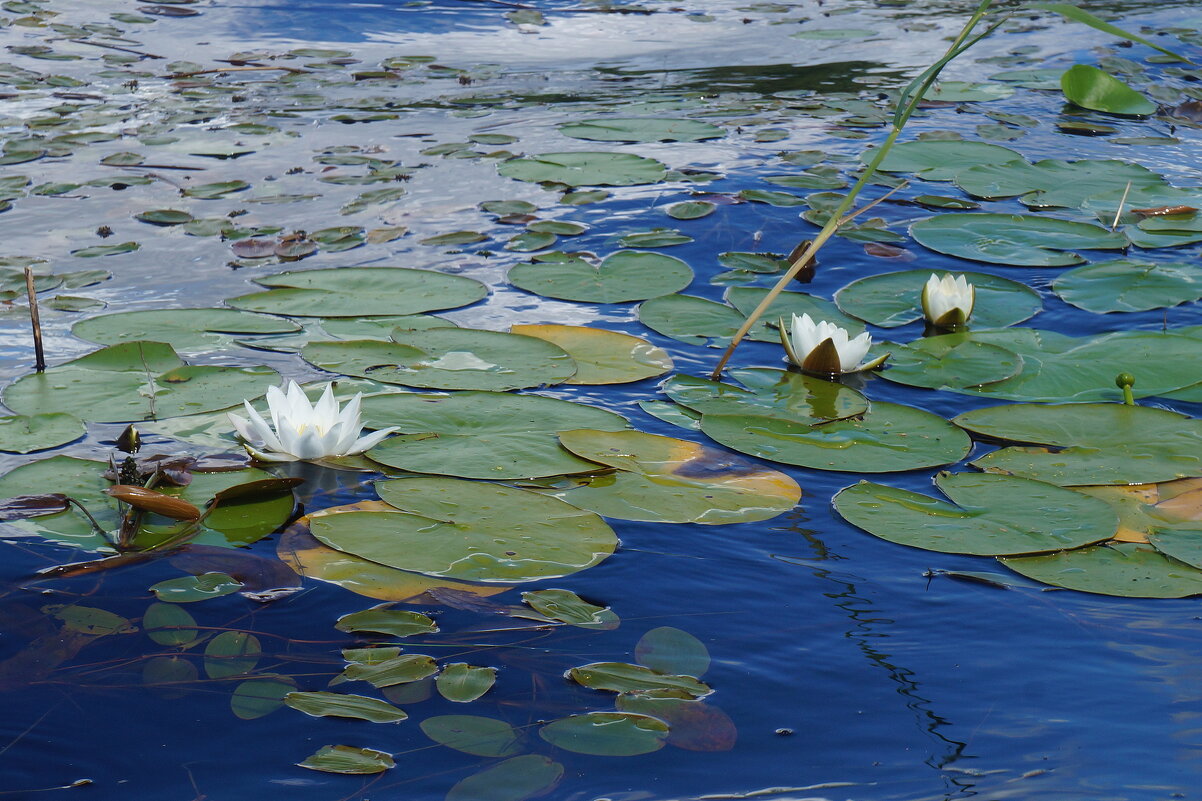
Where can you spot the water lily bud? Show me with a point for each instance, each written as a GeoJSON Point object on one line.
{"type": "Point", "coordinates": [824, 348]}
{"type": "Point", "coordinates": [947, 302]}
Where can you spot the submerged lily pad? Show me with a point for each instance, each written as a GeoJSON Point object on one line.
{"type": "Point", "coordinates": [1014, 239]}
{"type": "Point", "coordinates": [473, 734]}
{"type": "Point", "coordinates": [448, 358]}
{"type": "Point", "coordinates": [667, 480]}
{"type": "Point", "coordinates": [184, 329]}
{"type": "Point", "coordinates": [489, 435]}
{"type": "Point", "coordinates": [623, 276]}
{"type": "Point", "coordinates": [887, 438]}
{"type": "Point", "coordinates": [641, 129]}
{"type": "Point", "coordinates": [606, 734]}
{"type": "Point", "coordinates": [1126, 285]}
{"type": "Point", "coordinates": [1125, 569]}
{"type": "Point", "coordinates": [359, 291]}
{"type": "Point", "coordinates": [602, 357]}
{"type": "Point", "coordinates": [1089, 443]}
{"type": "Point", "coordinates": [583, 168]}
{"type": "Point", "coordinates": [458, 529]}
{"type": "Point", "coordinates": [894, 299]}
{"type": "Point", "coordinates": [989, 515]}
{"type": "Point", "coordinates": [135, 381]}
{"type": "Point", "coordinates": [514, 779]}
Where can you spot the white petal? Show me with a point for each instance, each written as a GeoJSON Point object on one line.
{"type": "Point", "coordinates": [370, 441]}
{"type": "Point", "coordinates": [262, 431]}
{"type": "Point", "coordinates": [308, 445]}
{"type": "Point", "coordinates": [853, 352]}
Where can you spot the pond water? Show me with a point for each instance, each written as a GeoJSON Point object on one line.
{"type": "Point", "coordinates": [842, 666]}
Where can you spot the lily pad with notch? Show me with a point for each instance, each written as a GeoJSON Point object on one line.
{"type": "Point", "coordinates": [601, 356]}
{"type": "Point", "coordinates": [188, 330]}
{"type": "Point", "coordinates": [894, 299]}
{"type": "Point", "coordinates": [766, 391]}
{"type": "Point", "coordinates": [1127, 285]}
{"type": "Point", "coordinates": [623, 276]}
{"type": "Point", "coordinates": [38, 432]}
{"type": "Point", "coordinates": [947, 361]}
{"type": "Point", "coordinates": [359, 291]}
{"type": "Point", "coordinates": [1013, 239]}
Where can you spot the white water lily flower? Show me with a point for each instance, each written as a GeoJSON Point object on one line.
{"type": "Point", "coordinates": [947, 302]}
{"type": "Point", "coordinates": [300, 431]}
{"type": "Point", "coordinates": [825, 348]}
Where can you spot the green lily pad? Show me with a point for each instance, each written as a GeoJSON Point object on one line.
{"type": "Point", "coordinates": [745, 299]}
{"type": "Point", "coordinates": [655, 238]}
{"type": "Point", "coordinates": [968, 91]}
{"type": "Point", "coordinates": [135, 381]}
{"type": "Point", "coordinates": [775, 393]}
{"type": "Point", "coordinates": [216, 190]}
{"type": "Point", "coordinates": [448, 358]}
{"type": "Point", "coordinates": [344, 705]}
{"type": "Point", "coordinates": [887, 438]}
{"type": "Point", "coordinates": [667, 480]}
{"type": "Point", "coordinates": [606, 734]}
{"type": "Point", "coordinates": [169, 624]}
{"type": "Point", "coordinates": [1126, 285]}
{"type": "Point", "coordinates": [1058, 183]}
{"type": "Point", "coordinates": [530, 241]}
{"type": "Point", "coordinates": [515, 779]}
{"type": "Point", "coordinates": [360, 291]}
{"type": "Point", "coordinates": [1089, 443]}
{"type": "Point", "coordinates": [348, 759]}
{"type": "Point", "coordinates": [194, 330]}
{"type": "Point", "coordinates": [394, 622]}
{"type": "Point", "coordinates": [691, 210]}
{"type": "Point", "coordinates": [1014, 239]}
{"type": "Point", "coordinates": [37, 432]}
{"type": "Point", "coordinates": [1124, 569]}
{"type": "Point", "coordinates": [473, 734]}
{"type": "Point", "coordinates": [462, 683]}
{"type": "Point", "coordinates": [941, 160]}
{"type": "Point", "coordinates": [1184, 545]}
{"type": "Point", "coordinates": [989, 515]}
{"type": "Point", "coordinates": [692, 320]}
{"type": "Point", "coordinates": [893, 299]}
{"type": "Point", "coordinates": [1091, 88]}
{"type": "Point", "coordinates": [641, 129]}
{"type": "Point", "coordinates": [331, 329]}
{"type": "Point", "coordinates": [189, 589]}
{"type": "Point", "coordinates": [584, 168]}
{"type": "Point", "coordinates": [621, 677]}
{"type": "Point", "coordinates": [602, 357]}
{"type": "Point", "coordinates": [232, 653]}
{"type": "Point", "coordinates": [568, 607]}
{"type": "Point", "coordinates": [670, 650]}
{"type": "Point", "coordinates": [489, 435]}
{"type": "Point", "coordinates": [258, 697]}
{"type": "Point", "coordinates": [466, 530]}
{"type": "Point", "coordinates": [623, 276]}
{"type": "Point", "coordinates": [96, 251]}
{"type": "Point", "coordinates": [164, 217]}
{"type": "Point", "coordinates": [949, 361]}
{"type": "Point", "coordinates": [389, 671]}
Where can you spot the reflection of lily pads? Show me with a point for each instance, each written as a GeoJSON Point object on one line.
{"type": "Point", "coordinates": [641, 129]}
{"type": "Point", "coordinates": [602, 357]}
{"type": "Point", "coordinates": [585, 168]}
{"type": "Point", "coordinates": [491, 435]}
{"type": "Point", "coordinates": [473, 734]}
{"type": "Point", "coordinates": [358, 291]}
{"type": "Point", "coordinates": [893, 299]}
{"type": "Point", "coordinates": [1089, 443]}
{"type": "Point", "coordinates": [886, 439]}
{"type": "Point", "coordinates": [448, 358]}
{"type": "Point", "coordinates": [667, 480]}
{"type": "Point", "coordinates": [457, 529]}
{"type": "Point", "coordinates": [989, 515]}
{"type": "Point", "coordinates": [775, 393]}
{"type": "Point", "coordinates": [135, 381]}
{"type": "Point", "coordinates": [1126, 285]}
{"type": "Point", "coordinates": [1125, 569]}
{"type": "Point", "coordinates": [1014, 239]}
{"type": "Point", "coordinates": [623, 276]}
{"type": "Point", "coordinates": [183, 329]}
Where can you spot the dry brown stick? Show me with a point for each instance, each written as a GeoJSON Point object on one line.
{"type": "Point", "coordinates": [234, 69]}
{"type": "Point", "coordinates": [115, 47]}
{"type": "Point", "coordinates": [36, 322]}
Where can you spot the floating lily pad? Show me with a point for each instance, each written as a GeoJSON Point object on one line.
{"type": "Point", "coordinates": [135, 381]}
{"type": "Point", "coordinates": [949, 361]}
{"type": "Point", "coordinates": [359, 291]}
{"type": "Point", "coordinates": [348, 759]}
{"type": "Point", "coordinates": [1054, 183]}
{"type": "Point", "coordinates": [466, 530]}
{"type": "Point", "coordinates": [989, 515]}
{"type": "Point", "coordinates": [887, 438]}
{"type": "Point", "coordinates": [692, 320]}
{"type": "Point", "coordinates": [893, 299]}
{"type": "Point", "coordinates": [602, 357]}
{"type": "Point", "coordinates": [745, 299]}
{"type": "Point", "coordinates": [344, 705]}
{"type": "Point", "coordinates": [1125, 569]}
{"type": "Point", "coordinates": [1182, 545]}
{"type": "Point", "coordinates": [1014, 239]}
{"type": "Point", "coordinates": [389, 671]}
{"type": "Point", "coordinates": [232, 653]}
{"type": "Point", "coordinates": [1089, 443]}
{"type": "Point", "coordinates": [1091, 88]}
{"type": "Point", "coordinates": [489, 435]}
{"type": "Point", "coordinates": [585, 169]}
{"type": "Point", "coordinates": [655, 238]}
{"type": "Point", "coordinates": [188, 589]}
{"type": "Point", "coordinates": [968, 91]}
{"type": "Point", "coordinates": [185, 330]}
{"type": "Point", "coordinates": [641, 129]}
{"type": "Point", "coordinates": [568, 607]}
{"type": "Point", "coordinates": [37, 432]}
{"type": "Point", "coordinates": [623, 276]}
{"type": "Point", "coordinates": [775, 393]}
{"type": "Point", "coordinates": [169, 624]}
{"type": "Point", "coordinates": [345, 328]}
{"type": "Point", "coordinates": [473, 734]}
{"type": "Point", "coordinates": [691, 210]}
{"type": "Point", "coordinates": [1126, 285]}
{"type": "Point", "coordinates": [667, 480]}
{"type": "Point", "coordinates": [621, 677]}
{"type": "Point", "coordinates": [606, 734]}
{"type": "Point", "coordinates": [462, 683]}
{"type": "Point", "coordinates": [941, 160]}
{"type": "Point", "coordinates": [448, 358]}
{"type": "Point", "coordinates": [515, 779]}
{"type": "Point", "coordinates": [394, 622]}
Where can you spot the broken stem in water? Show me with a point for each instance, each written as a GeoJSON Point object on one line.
{"type": "Point", "coordinates": [36, 321]}
{"type": "Point", "coordinates": [907, 104]}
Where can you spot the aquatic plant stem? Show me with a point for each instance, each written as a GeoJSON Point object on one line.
{"type": "Point", "coordinates": [39, 355]}
{"type": "Point", "coordinates": [908, 102]}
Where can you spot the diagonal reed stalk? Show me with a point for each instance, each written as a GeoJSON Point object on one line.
{"type": "Point", "coordinates": [907, 103]}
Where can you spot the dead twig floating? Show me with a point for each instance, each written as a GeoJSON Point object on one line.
{"type": "Point", "coordinates": [115, 47]}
